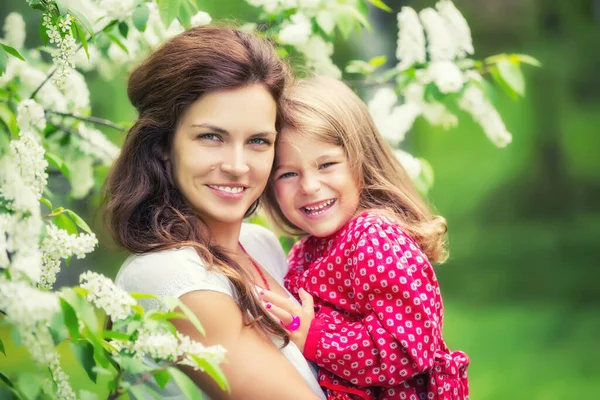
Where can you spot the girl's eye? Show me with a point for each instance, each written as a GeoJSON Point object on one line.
{"type": "Point", "coordinates": [286, 175]}
{"type": "Point", "coordinates": [326, 165]}
{"type": "Point", "coordinates": [259, 141]}
{"type": "Point", "coordinates": [209, 136]}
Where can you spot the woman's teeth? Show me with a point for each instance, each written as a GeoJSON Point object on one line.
{"type": "Point", "coordinates": [228, 189]}
{"type": "Point", "coordinates": [318, 209]}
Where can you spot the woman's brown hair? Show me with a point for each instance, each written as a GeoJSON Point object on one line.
{"type": "Point", "coordinates": [145, 211]}
{"type": "Point", "coordinates": [328, 111]}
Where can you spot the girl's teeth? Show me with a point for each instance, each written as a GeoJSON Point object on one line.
{"type": "Point", "coordinates": [319, 209]}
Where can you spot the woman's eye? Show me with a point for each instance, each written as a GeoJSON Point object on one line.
{"type": "Point", "coordinates": [326, 165]}
{"type": "Point", "coordinates": [259, 141]}
{"type": "Point", "coordinates": [209, 136]}
{"type": "Point", "coordinates": [286, 175]}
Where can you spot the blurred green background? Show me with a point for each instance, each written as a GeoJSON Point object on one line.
{"type": "Point", "coordinates": [520, 286]}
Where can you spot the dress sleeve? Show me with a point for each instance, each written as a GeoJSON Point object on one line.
{"type": "Point", "coordinates": [398, 334]}
{"type": "Point", "coordinates": [297, 260]}
{"type": "Point", "coordinates": [170, 273]}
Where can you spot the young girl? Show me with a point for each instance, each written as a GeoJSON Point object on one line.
{"type": "Point", "coordinates": [377, 333]}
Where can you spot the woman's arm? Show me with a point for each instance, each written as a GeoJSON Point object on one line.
{"type": "Point", "coordinates": [255, 368]}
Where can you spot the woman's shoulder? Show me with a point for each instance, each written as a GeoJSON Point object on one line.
{"type": "Point", "coordinates": [171, 272]}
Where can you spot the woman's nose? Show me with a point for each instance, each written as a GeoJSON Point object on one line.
{"type": "Point", "coordinates": [235, 164]}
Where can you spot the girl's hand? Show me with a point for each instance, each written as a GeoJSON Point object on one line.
{"type": "Point", "coordinates": [285, 309]}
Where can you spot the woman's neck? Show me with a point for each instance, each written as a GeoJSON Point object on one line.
{"type": "Point", "coordinates": [226, 235]}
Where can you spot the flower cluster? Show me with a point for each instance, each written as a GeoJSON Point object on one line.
{"type": "Point", "coordinates": [14, 30]}
{"type": "Point", "coordinates": [59, 245]}
{"type": "Point", "coordinates": [106, 295]}
{"type": "Point", "coordinates": [59, 32]}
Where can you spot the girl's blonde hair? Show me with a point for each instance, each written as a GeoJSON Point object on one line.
{"type": "Point", "coordinates": [328, 111]}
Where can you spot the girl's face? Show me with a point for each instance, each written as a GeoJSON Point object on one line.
{"type": "Point", "coordinates": [223, 151]}
{"type": "Point", "coordinates": [314, 185]}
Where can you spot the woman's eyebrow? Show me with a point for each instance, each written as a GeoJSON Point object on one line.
{"type": "Point", "coordinates": [211, 127]}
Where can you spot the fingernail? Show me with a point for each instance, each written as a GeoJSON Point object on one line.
{"type": "Point", "coordinates": [262, 292]}
{"type": "Point", "coordinates": [268, 305]}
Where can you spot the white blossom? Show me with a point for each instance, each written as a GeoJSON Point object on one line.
{"type": "Point", "coordinates": [318, 57]}
{"type": "Point", "coordinates": [95, 144]}
{"type": "Point", "coordinates": [411, 164]}
{"type": "Point", "coordinates": [440, 43]}
{"type": "Point", "coordinates": [24, 305]}
{"type": "Point", "coordinates": [296, 31]}
{"type": "Point", "coordinates": [476, 103]}
{"type": "Point", "coordinates": [188, 348]}
{"type": "Point", "coordinates": [30, 115]}
{"type": "Point", "coordinates": [58, 245]}
{"type": "Point", "coordinates": [201, 18]}
{"type": "Point", "coordinates": [61, 379]}
{"type": "Point", "coordinates": [77, 92]}
{"type": "Point", "coordinates": [446, 75]}
{"type": "Point", "coordinates": [392, 121]}
{"type": "Point", "coordinates": [106, 295]}
{"type": "Point", "coordinates": [28, 157]}
{"type": "Point", "coordinates": [14, 30]}
{"type": "Point", "coordinates": [28, 262]}
{"type": "Point", "coordinates": [117, 9]}
{"type": "Point", "coordinates": [64, 55]}
{"type": "Point", "coordinates": [457, 27]}
{"type": "Point", "coordinates": [157, 345]}
{"type": "Point", "coordinates": [434, 112]}
{"type": "Point", "coordinates": [411, 39]}
{"type": "Point", "coordinates": [81, 175]}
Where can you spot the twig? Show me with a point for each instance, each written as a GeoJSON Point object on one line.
{"type": "Point", "coordinates": [93, 120]}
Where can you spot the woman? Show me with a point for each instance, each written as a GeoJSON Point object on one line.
{"type": "Point", "coordinates": [192, 168]}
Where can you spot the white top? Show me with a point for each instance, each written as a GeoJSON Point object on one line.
{"type": "Point", "coordinates": [179, 271]}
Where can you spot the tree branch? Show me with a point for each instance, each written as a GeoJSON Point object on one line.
{"type": "Point", "coordinates": [93, 120]}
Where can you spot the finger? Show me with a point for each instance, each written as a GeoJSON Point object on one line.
{"type": "Point", "coordinates": [308, 304]}
{"type": "Point", "coordinates": [278, 300]}
{"type": "Point", "coordinates": [279, 313]}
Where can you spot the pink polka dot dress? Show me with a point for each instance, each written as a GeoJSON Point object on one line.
{"type": "Point", "coordinates": [378, 329]}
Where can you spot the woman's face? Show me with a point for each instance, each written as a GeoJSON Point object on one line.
{"type": "Point", "coordinates": [223, 150]}
{"type": "Point", "coordinates": [314, 185]}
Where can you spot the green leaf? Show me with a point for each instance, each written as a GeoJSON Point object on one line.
{"type": "Point", "coordinates": [380, 4]}
{"type": "Point", "coordinates": [82, 308]}
{"type": "Point", "coordinates": [2, 347]}
{"type": "Point", "coordinates": [137, 296]}
{"type": "Point", "coordinates": [378, 61]}
{"type": "Point", "coordinates": [168, 10]}
{"type": "Point", "coordinates": [43, 35]}
{"type": "Point", "coordinates": [46, 202]}
{"type": "Point", "coordinates": [173, 303]}
{"type": "Point", "coordinates": [58, 328]}
{"type": "Point", "coordinates": [132, 365]}
{"type": "Point", "coordinates": [15, 336]}
{"type": "Point", "coordinates": [512, 75]}
{"type": "Point", "coordinates": [526, 59]}
{"type": "Point", "coordinates": [6, 380]}
{"type": "Point", "coordinates": [187, 386]}
{"type": "Point", "coordinates": [345, 21]}
{"type": "Point", "coordinates": [140, 17]}
{"type": "Point", "coordinates": [136, 392]}
{"type": "Point", "coordinates": [84, 354]}
{"type": "Point", "coordinates": [58, 162]}
{"type": "Point", "coordinates": [118, 42]}
{"type": "Point", "coordinates": [162, 378]}
{"type": "Point", "coordinates": [185, 14]}
{"type": "Point", "coordinates": [115, 335]}
{"type": "Point", "coordinates": [503, 84]}
{"type": "Point", "coordinates": [8, 118]}
{"type": "Point", "coordinates": [12, 51]}
{"type": "Point", "coordinates": [64, 222]}
{"type": "Point", "coordinates": [29, 384]}
{"type": "Point", "coordinates": [84, 22]}
{"type": "Point", "coordinates": [123, 28]}
{"type": "Point", "coordinates": [62, 7]}
{"type": "Point", "coordinates": [326, 21]}
{"type": "Point", "coordinates": [70, 319]}
{"type": "Point", "coordinates": [424, 181]}
{"type": "Point", "coordinates": [79, 221]}
{"type": "Point", "coordinates": [86, 395]}
{"type": "Point", "coordinates": [214, 370]}
{"type": "Point", "coordinates": [81, 34]}
{"type": "Point", "coordinates": [359, 67]}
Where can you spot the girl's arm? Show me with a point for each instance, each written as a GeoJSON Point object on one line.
{"type": "Point", "coordinates": [399, 334]}
{"type": "Point", "coordinates": [255, 368]}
